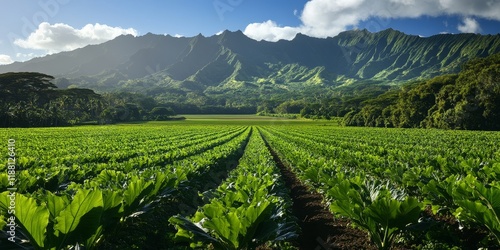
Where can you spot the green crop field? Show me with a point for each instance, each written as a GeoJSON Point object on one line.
{"type": "Point", "coordinates": [232, 182]}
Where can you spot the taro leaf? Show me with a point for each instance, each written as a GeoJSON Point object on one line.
{"type": "Point", "coordinates": [408, 213]}
{"type": "Point", "coordinates": [86, 206]}
{"type": "Point", "coordinates": [347, 202]}
{"type": "Point", "coordinates": [226, 228]}
{"type": "Point", "coordinates": [286, 231]}
{"type": "Point", "coordinates": [214, 209]}
{"type": "Point", "coordinates": [93, 240]}
{"type": "Point", "coordinates": [55, 204]}
{"type": "Point", "coordinates": [254, 215]}
{"type": "Point", "coordinates": [112, 208]}
{"type": "Point", "coordinates": [135, 195]}
{"type": "Point", "coordinates": [479, 203]}
{"type": "Point", "coordinates": [32, 218]}
{"type": "Point", "coordinates": [111, 199]}
{"type": "Point", "coordinates": [2, 222]}
{"type": "Point", "coordinates": [270, 226]}
{"type": "Point", "coordinates": [4, 181]}
{"type": "Point", "coordinates": [163, 181]}
{"type": "Point", "coordinates": [392, 213]}
{"type": "Point", "coordinates": [391, 216]}
{"type": "Point", "coordinates": [198, 233]}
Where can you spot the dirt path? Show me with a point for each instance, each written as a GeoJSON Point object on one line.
{"type": "Point", "coordinates": [320, 230]}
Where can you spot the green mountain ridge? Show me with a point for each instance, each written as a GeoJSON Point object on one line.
{"type": "Point", "coordinates": [231, 63]}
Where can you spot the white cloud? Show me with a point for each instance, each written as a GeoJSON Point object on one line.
{"type": "Point", "coordinates": [470, 25]}
{"type": "Point", "coordinates": [270, 31]}
{"type": "Point", "coordinates": [178, 35]}
{"type": "Point", "coordinates": [5, 59]}
{"type": "Point", "coordinates": [326, 18]}
{"type": "Point", "coordinates": [62, 37]}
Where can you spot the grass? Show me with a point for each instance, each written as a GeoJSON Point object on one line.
{"type": "Point", "coordinates": [244, 120]}
{"type": "Point", "coordinates": [232, 117]}
{"type": "Point", "coordinates": [225, 119]}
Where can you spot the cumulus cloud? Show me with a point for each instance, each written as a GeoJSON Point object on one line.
{"type": "Point", "coordinates": [470, 25]}
{"type": "Point", "coordinates": [270, 31]}
{"type": "Point", "coordinates": [5, 59]}
{"type": "Point", "coordinates": [326, 18]}
{"type": "Point", "coordinates": [62, 37]}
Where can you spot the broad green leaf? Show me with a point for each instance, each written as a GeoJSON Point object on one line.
{"type": "Point", "coordinates": [198, 233]}
{"type": "Point", "coordinates": [226, 228]}
{"type": "Point", "coordinates": [33, 218]}
{"type": "Point", "coordinates": [112, 208]}
{"type": "Point", "coordinates": [83, 202]}
{"type": "Point", "coordinates": [137, 191]}
{"type": "Point", "coordinates": [2, 222]}
{"type": "Point", "coordinates": [4, 181]}
{"type": "Point", "coordinates": [408, 212]}
{"type": "Point", "coordinates": [94, 239]}
{"type": "Point", "coordinates": [214, 209]}
{"type": "Point", "coordinates": [254, 215]}
{"type": "Point", "coordinates": [163, 181]}
{"type": "Point", "coordinates": [111, 199]}
{"type": "Point", "coordinates": [55, 204]}
{"type": "Point", "coordinates": [478, 203]}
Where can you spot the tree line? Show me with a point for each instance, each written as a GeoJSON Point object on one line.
{"type": "Point", "coordinates": [30, 99]}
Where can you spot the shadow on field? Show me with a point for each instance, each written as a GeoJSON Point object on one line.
{"type": "Point", "coordinates": [319, 229]}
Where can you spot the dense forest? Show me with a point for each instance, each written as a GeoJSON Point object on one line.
{"type": "Point", "coordinates": [467, 100]}
{"type": "Point", "coordinates": [30, 99]}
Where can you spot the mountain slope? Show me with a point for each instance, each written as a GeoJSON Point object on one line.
{"type": "Point", "coordinates": [231, 60]}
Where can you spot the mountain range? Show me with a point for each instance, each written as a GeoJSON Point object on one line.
{"type": "Point", "coordinates": [223, 63]}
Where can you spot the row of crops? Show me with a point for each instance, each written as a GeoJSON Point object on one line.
{"type": "Point", "coordinates": [76, 187]}
{"type": "Point", "coordinates": [251, 208]}
{"type": "Point", "coordinates": [383, 180]}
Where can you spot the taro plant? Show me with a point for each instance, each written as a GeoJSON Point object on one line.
{"type": "Point", "coordinates": [248, 210]}
{"type": "Point", "coordinates": [478, 203]}
{"type": "Point", "coordinates": [382, 211]}
{"type": "Point", "coordinates": [59, 222]}
{"type": "Point", "coordinates": [242, 227]}
{"type": "Point", "coordinates": [56, 224]}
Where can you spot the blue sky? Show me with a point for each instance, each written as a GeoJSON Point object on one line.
{"type": "Point", "coordinates": [39, 27]}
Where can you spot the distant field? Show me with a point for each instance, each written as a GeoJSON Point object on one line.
{"type": "Point", "coordinates": [252, 120]}
{"type": "Point", "coordinates": [234, 117]}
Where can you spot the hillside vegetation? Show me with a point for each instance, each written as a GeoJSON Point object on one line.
{"type": "Point", "coordinates": [467, 100]}
{"type": "Point", "coordinates": [231, 70]}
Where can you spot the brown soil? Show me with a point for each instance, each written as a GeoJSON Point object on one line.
{"type": "Point", "coordinates": [319, 229]}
